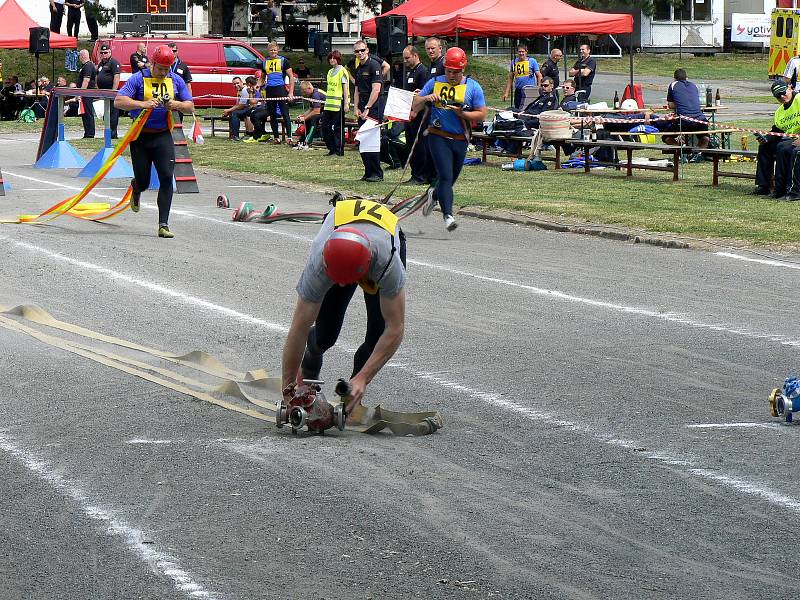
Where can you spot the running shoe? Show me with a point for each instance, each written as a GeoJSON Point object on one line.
{"type": "Point", "coordinates": [164, 232]}
{"type": "Point", "coordinates": [430, 203]}
{"type": "Point", "coordinates": [135, 196]}
{"type": "Point", "coordinates": [450, 223]}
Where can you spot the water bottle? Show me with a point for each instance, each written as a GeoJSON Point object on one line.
{"type": "Point", "coordinates": [700, 89]}
{"type": "Point", "coordinates": [709, 96]}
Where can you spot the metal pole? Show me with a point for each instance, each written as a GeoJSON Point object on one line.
{"type": "Point", "coordinates": [630, 49]}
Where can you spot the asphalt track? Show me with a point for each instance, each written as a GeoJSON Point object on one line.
{"type": "Point", "coordinates": [607, 432]}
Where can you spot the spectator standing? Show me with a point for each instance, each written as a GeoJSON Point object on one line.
{"type": "Point", "coordinates": [238, 111]}
{"type": "Point", "coordinates": [683, 98]}
{"type": "Point", "coordinates": [450, 124]}
{"type": "Point", "coordinates": [56, 15]}
{"type": "Point", "coordinates": [91, 8]}
{"type": "Point", "coordinates": [790, 73]}
{"type": "Point", "coordinates": [583, 71]}
{"type": "Point", "coordinates": [228, 9]}
{"type": "Point", "coordinates": [302, 72]}
{"type": "Point", "coordinates": [276, 70]}
{"type": "Point", "coordinates": [416, 77]}
{"type": "Point", "coordinates": [435, 52]}
{"type": "Point", "coordinates": [74, 16]}
{"type": "Point", "coordinates": [523, 72]}
{"type": "Point", "coordinates": [180, 68]}
{"type": "Point", "coordinates": [87, 80]}
{"type": "Point", "coordinates": [108, 73]}
{"type": "Point", "coordinates": [337, 104]}
{"type": "Point", "coordinates": [369, 103]}
{"type": "Point", "coordinates": [550, 67]}
{"type": "Point", "coordinates": [775, 152]}
{"type": "Point", "coordinates": [139, 59]}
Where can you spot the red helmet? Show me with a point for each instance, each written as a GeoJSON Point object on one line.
{"type": "Point", "coordinates": [163, 56]}
{"type": "Point", "coordinates": [455, 58]}
{"type": "Point", "coordinates": [347, 255]}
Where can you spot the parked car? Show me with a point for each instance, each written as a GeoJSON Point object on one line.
{"type": "Point", "coordinates": [214, 62]}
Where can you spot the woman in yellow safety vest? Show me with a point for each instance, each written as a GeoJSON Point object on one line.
{"type": "Point", "coordinates": [337, 103]}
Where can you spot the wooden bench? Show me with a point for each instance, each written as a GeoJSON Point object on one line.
{"type": "Point", "coordinates": [486, 140]}
{"type": "Point", "coordinates": [718, 154]}
{"type": "Point", "coordinates": [214, 119]}
{"type": "Point", "coordinates": [629, 148]}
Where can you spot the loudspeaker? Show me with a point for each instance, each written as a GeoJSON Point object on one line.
{"type": "Point", "coordinates": [39, 40]}
{"type": "Point", "coordinates": [392, 34]}
{"type": "Point", "coordinates": [322, 43]}
{"type": "Point", "coordinates": [297, 35]}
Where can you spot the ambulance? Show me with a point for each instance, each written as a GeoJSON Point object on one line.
{"type": "Point", "coordinates": [784, 43]}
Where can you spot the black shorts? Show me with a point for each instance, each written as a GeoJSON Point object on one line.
{"type": "Point", "coordinates": [687, 126]}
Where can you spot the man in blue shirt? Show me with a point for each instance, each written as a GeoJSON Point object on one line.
{"type": "Point", "coordinates": [163, 91]}
{"type": "Point", "coordinates": [683, 98]}
{"type": "Point", "coordinates": [458, 102]}
{"type": "Point", "coordinates": [523, 72]}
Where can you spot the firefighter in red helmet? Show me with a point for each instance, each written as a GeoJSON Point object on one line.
{"type": "Point", "coordinates": [457, 103]}
{"type": "Point", "coordinates": [158, 88]}
{"type": "Point", "coordinates": [359, 244]}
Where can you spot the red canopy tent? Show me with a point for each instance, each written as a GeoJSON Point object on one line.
{"type": "Point", "coordinates": [14, 29]}
{"type": "Point", "coordinates": [415, 8]}
{"type": "Point", "coordinates": [519, 18]}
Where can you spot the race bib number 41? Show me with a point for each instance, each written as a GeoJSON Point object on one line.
{"type": "Point", "coordinates": [272, 65]}
{"type": "Point", "coordinates": [522, 69]}
{"type": "Point", "coordinates": [453, 94]}
{"type": "Point", "coordinates": [157, 88]}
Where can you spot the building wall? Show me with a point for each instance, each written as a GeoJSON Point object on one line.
{"type": "Point", "coordinates": [709, 33]}
{"type": "Point", "coordinates": [754, 7]}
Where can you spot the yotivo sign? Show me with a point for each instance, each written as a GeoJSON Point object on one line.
{"type": "Point", "coordinates": [750, 28]}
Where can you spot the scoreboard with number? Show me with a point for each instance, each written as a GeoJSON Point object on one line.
{"type": "Point", "coordinates": [166, 16]}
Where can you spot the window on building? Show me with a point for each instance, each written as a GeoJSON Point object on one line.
{"type": "Point", "coordinates": [689, 10]}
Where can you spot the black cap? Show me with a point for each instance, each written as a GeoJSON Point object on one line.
{"type": "Point", "coordinates": [779, 89]}
{"type": "Point", "coordinates": [105, 47]}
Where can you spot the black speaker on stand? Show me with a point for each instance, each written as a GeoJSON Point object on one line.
{"type": "Point", "coordinates": [38, 43]}
{"type": "Point", "coordinates": [392, 34]}
{"type": "Point", "coordinates": [322, 44]}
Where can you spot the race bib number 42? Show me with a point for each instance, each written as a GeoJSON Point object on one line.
{"type": "Point", "coordinates": [157, 88]}
{"type": "Point", "coordinates": [522, 69]}
{"type": "Point", "coordinates": [453, 94]}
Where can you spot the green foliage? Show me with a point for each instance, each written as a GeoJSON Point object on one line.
{"type": "Point", "coordinates": [102, 14]}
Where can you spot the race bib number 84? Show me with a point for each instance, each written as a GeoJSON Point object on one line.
{"type": "Point", "coordinates": [157, 88]}
{"type": "Point", "coordinates": [450, 93]}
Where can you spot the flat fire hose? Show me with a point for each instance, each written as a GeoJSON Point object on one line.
{"type": "Point", "coordinates": [92, 211]}
{"type": "Point", "coordinates": [254, 388]}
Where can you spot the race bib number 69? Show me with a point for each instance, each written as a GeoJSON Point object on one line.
{"type": "Point", "coordinates": [450, 93]}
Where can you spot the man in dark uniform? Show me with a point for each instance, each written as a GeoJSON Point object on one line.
{"type": "Point", "coordinates": [416, 77]}
{"type": "Point", "coordinates": [369, 103]}
{"type": "Point", "coordinates": [435, 52]}
{"type": "Point", "coordinates": [149, 88]}
{"type": "Point", "coordinates": [180, 68]}
{"type": "Point", "coordinates": [87, 80]}
{"type": "Point", "coordinates": [108, 71]}
{"type": "Point", "coordinates": [550, 66]}
{"type": "Point", "coordinates": [583, 72]}
{"type": "Point", "coordinates": [139, 58]}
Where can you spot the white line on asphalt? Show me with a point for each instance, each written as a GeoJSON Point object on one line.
{"type": "Point", "coordinates": [246, 186]}
{"type": "Point", "coordinates": [735, 425]}
{"type": "Point", "coordinates": [748, 488]}
{"type": "Point", "coordinates": [763, 261]}
{"type": "Point", "coordinates": [141, 441]}
{"type": "Point", "coordinates": [134, 538]}
{"type": "Point", "coordinates": [488, 397]}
